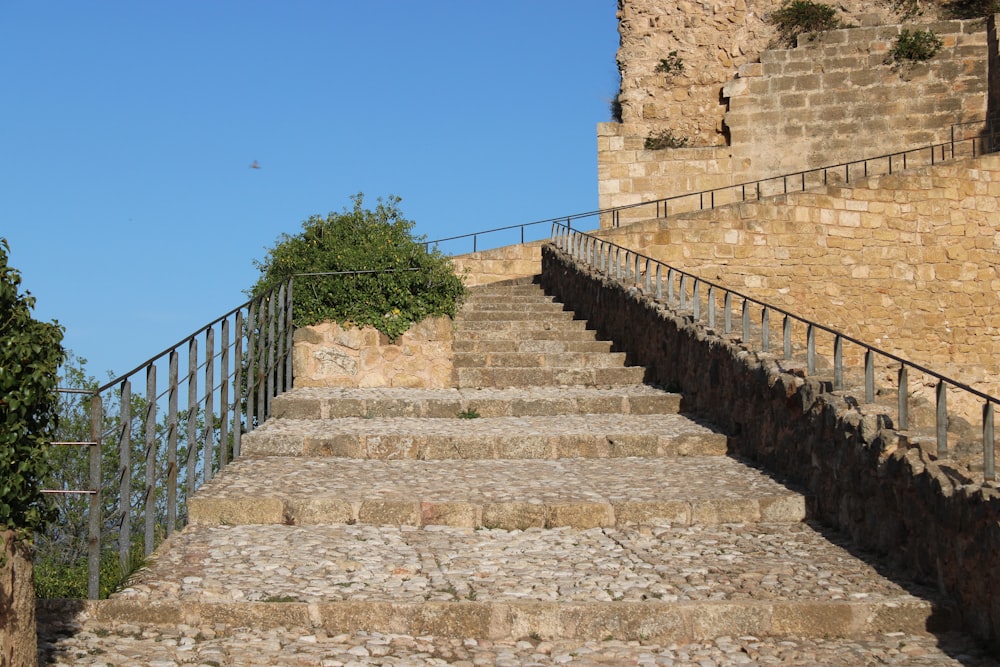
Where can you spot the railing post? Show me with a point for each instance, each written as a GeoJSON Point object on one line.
{"type": "Point", "coordinates": [239, 393]}
{"type": "Point", "coordinates": [696, 300]}
{"type": "Point", "coordinates": [811, 349]}
{"type": "Point", "coordinates": [727, 307]}
{"type": "Point", "coordinates": [270, 354]}
{"type": "Point", "coordinates": [765, 330]}
{"type": "Point", "coordinates": [786, 331]}
{"type": "Point", "coordinates": [745, 316]}
{"type": "Point", "coordinates": [290, 335]}
{"type": "Point", "coordinates": [279, 342]}
{"type": "Point", "coordinates": [94, 516]}
{"type": "Point", "coordinates": [903, 397]}
{"type": "Point", "coordinates": [125, 471]}
{"type": "Point", "coordinates": [172, 426]}
{"type": "Point", "coordinates": [941, 418]}
{"type": "Point", "coordinates": [670, 285]}
{"type": "Point", "coordinates": [224, 403]}
{"type": "Point", "coordinates": [838, 363]}
{"type": "Point", "coordinates": [711, 306]}
{"type": "Point", "coordinates": [989, 465]}
{"type": "Point", "coordinates": [869, 376]}
{"type": "Point", "coordinates": [150, 423]}
{"type": "Point", "coordinates": [683, 291]}
{"type": "Point", "coordinates": [250, 388]}
{"type": "Point", "coordinates": [648, 282]}
{"type": "Point", "coordinates": [208, 453]}
{"type": "Point", "coordinates": [659, 281]}
{"type": "Point", "coordinates": [192, 414]}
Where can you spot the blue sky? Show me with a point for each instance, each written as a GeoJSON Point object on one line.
{"type": "Point", "coordinates": [127, 131]}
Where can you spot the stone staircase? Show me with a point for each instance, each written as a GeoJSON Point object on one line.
{"type": "Point", "coordinates": [551, 509]}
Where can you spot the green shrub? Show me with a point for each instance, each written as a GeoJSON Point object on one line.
{"type": "Point", "coordinates": [412, 281]}
{"type": "Point", "coordinates": [663, 140]}
{"type": "Point", "coordinates": [672, 64]}
{"type": "Point", "coordinates": [616, 108]}
{"type": "Point", "coordinates": [798, 17]}
{"type": "Point", "coordinates": [30, 354]}
{"type": "Point", "coordinates": [915, 45]}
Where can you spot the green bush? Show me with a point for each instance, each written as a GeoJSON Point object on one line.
{"type": "Point", "coordinates": [30, 354]}
{"type": "Point", "coordinates": [798, 17]}
{"type": "Point", "coordinates": [412, 281]}
{"type": "Point", "coordinates": [663, 140]}
{"type": "Point", "coordinates": [915, 45]}
{"type": "Point", "coordinates": [672, 64]}
{"type": "Point", "coordinates": [971, 9]}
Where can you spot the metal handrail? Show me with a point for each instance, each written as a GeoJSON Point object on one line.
{"type": "Point", "coordinates": [986, 142]}
{"type": "Point", "coordinates": [684, 289]}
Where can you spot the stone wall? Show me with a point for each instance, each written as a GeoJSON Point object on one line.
{"type": "Point", "coordinates": [909, 262]}
{"type": "Point", "coordinates": [17, 603]}
{"type": "Point", "coordinates": [779, 110]}
{"type": "Point", "coordinates": [506, 263]}
{"type": "Point", "coordinates": [862, 477]}
{"type": "Point", "coordinates": [328, 355]}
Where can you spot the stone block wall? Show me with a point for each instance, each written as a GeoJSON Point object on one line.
{"type": "Point", "coordinates": [329, 355]}
{"type": "Point", "coordinates": [506, 263]}
{"type": "Point", "coordinates": [909, 262]}
{"type": "Point", "coordinates": [864, 479]}
{"type": "Point", "coordinates": [751, 111]}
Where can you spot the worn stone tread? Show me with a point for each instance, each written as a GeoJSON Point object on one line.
{"type": "Point", "coordinates": [530, 437]}
{"type": "Point", "coordinates": [496, 493]}
{"type": "Point", "coordinates": [87, 642]}
{"type": "Point", "coordinates": [663, 582]}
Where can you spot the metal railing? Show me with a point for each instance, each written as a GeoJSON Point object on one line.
{"type": "Point", "coordinates": [235, 365]}
{"type": "Point", "coordinates": [716, 306]}
{"type": "Point", "coordinates": [985, 139]}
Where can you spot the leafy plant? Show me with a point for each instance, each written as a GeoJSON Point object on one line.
{"type": "Point", "coordinates": [663, 140]}
{"type": "Point", "coordinates": [672, 64]}
{"type": "Point", "coordinates": [616, 108]}
{"type": "Point", "coordinates": [390, 279]}
{"type": "Point", "coordinates": [797, 17]}
{"type": "Point", "coordinates": [30, 354]}
{"type": "Point", "coordinates": [915, 45]}
{"type": "Point", "coordinates": [471, 413]}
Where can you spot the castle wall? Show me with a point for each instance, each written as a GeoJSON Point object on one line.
{"type": "Point", "coordinates": [749, 112]}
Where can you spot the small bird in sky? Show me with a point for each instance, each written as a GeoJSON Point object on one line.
{"type": "Point", "coordinates": [255, 165]}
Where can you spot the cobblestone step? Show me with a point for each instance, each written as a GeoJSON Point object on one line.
{"type": "Point", "coordinates": [540, 306]}
{"type": "Point", "coordinates": [575, 333]}
{"type": "Point", "coordinates": [662, 583]}
{"type": "Point", "coordinates": [525, 328]}
{"type": "Point", "coordinates": [508, 315]}
{"type": "Point", "coordinates": [548, 377]}
{"type": "Point", "coordinates": [580, 493]}
{"type": "Point", "coordinates": [544, 437]}
{"type": "Point", "coordinates": [329, 403]}
{"type": "Point", "coordinates": [555, 360]}
{"type": "Point", "coordinates": [71, 641]}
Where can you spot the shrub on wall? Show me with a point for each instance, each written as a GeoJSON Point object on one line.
{"type": "Point", "coordinates": [915, 45]}
{"type": "Point", "coordinates": [663, 140]}
{"type": "Point", "coordinates": [408, 283]}
{"type": "Point", "coordinates": [30, 354]}
{"type": "Point", "coordinates": [799, 17]}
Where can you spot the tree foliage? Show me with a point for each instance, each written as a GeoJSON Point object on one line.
{"type": "Point", "coordinates": [410, 282]}
{"type": "Point", "coordinates": [797, 17]}
{"type": "Point", "coordinates": [30, 354]}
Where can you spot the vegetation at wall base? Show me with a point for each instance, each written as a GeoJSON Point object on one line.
{"type": "Point", "coordinates": [915, 46]}
{"type": "Point", "coordinates": [663, 140]}
{"type": "Point", "coordinates": [798, 17]}
{"type": "Point", "coordinates": [407, 281]}
{"type": "Point", "coordinates": [616, 108]}
{"type": "Point", "coordinates": [30, 354]}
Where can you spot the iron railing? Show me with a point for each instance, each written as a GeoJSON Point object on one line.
{"type": "Point", "coordinates": [985, 139]}
{"type": "Point", "coordinates": [234, 365]}
{"type": "Point", "coordinates": [717, 307]}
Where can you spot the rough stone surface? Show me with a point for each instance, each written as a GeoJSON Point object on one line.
{"type": "Point", "coordinates": [17, 602]}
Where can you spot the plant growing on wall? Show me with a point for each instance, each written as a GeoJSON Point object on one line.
{"type": "Point", "coordinates": [798, 17]}
{"type": "Point", "coordinates": [663, 140]}
{"type": "Point", "coordinates": [972, 9]}
{"type": "Point", "coordinates": [671, 65]}
{"type": "Point", "coordinates": [30, 354]}
{"type": "Point", "coordinates": [915, 46]}
{"type": "Point", "coordinates": [407, 281]}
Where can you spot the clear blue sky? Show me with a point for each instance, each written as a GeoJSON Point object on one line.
{"type": "Point", "coordinates": [127, 131]}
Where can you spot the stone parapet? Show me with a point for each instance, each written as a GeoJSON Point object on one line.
{"type": "Point", "coordinates": [329, 355]}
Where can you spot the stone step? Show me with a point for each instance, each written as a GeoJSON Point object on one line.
{"type": "Point", "coordinates": [509, 315]}
{"type": "Point", "coordinates": [330, 403]}
{"type": "Point", "coordinates": [520, 345]}
{"type": "Point", "coordinates": [542, 306]}
{"type": "Point", "coordinates": [554, 360]}
{"type": "Point", "coordinates": [545, 437]}
{"type": "Point", "coordinates": [67, 634]}
{"type": "Point", "coordinates": [566, 332]}
{"type": "Point", "coordinates": [581, 493]}
{"type": "Point", "coordinates": [526, 328]}
{"type": "Point", "coordinates": [664, 583]}
{"type": "Point", "coordinates": [537, 377]}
